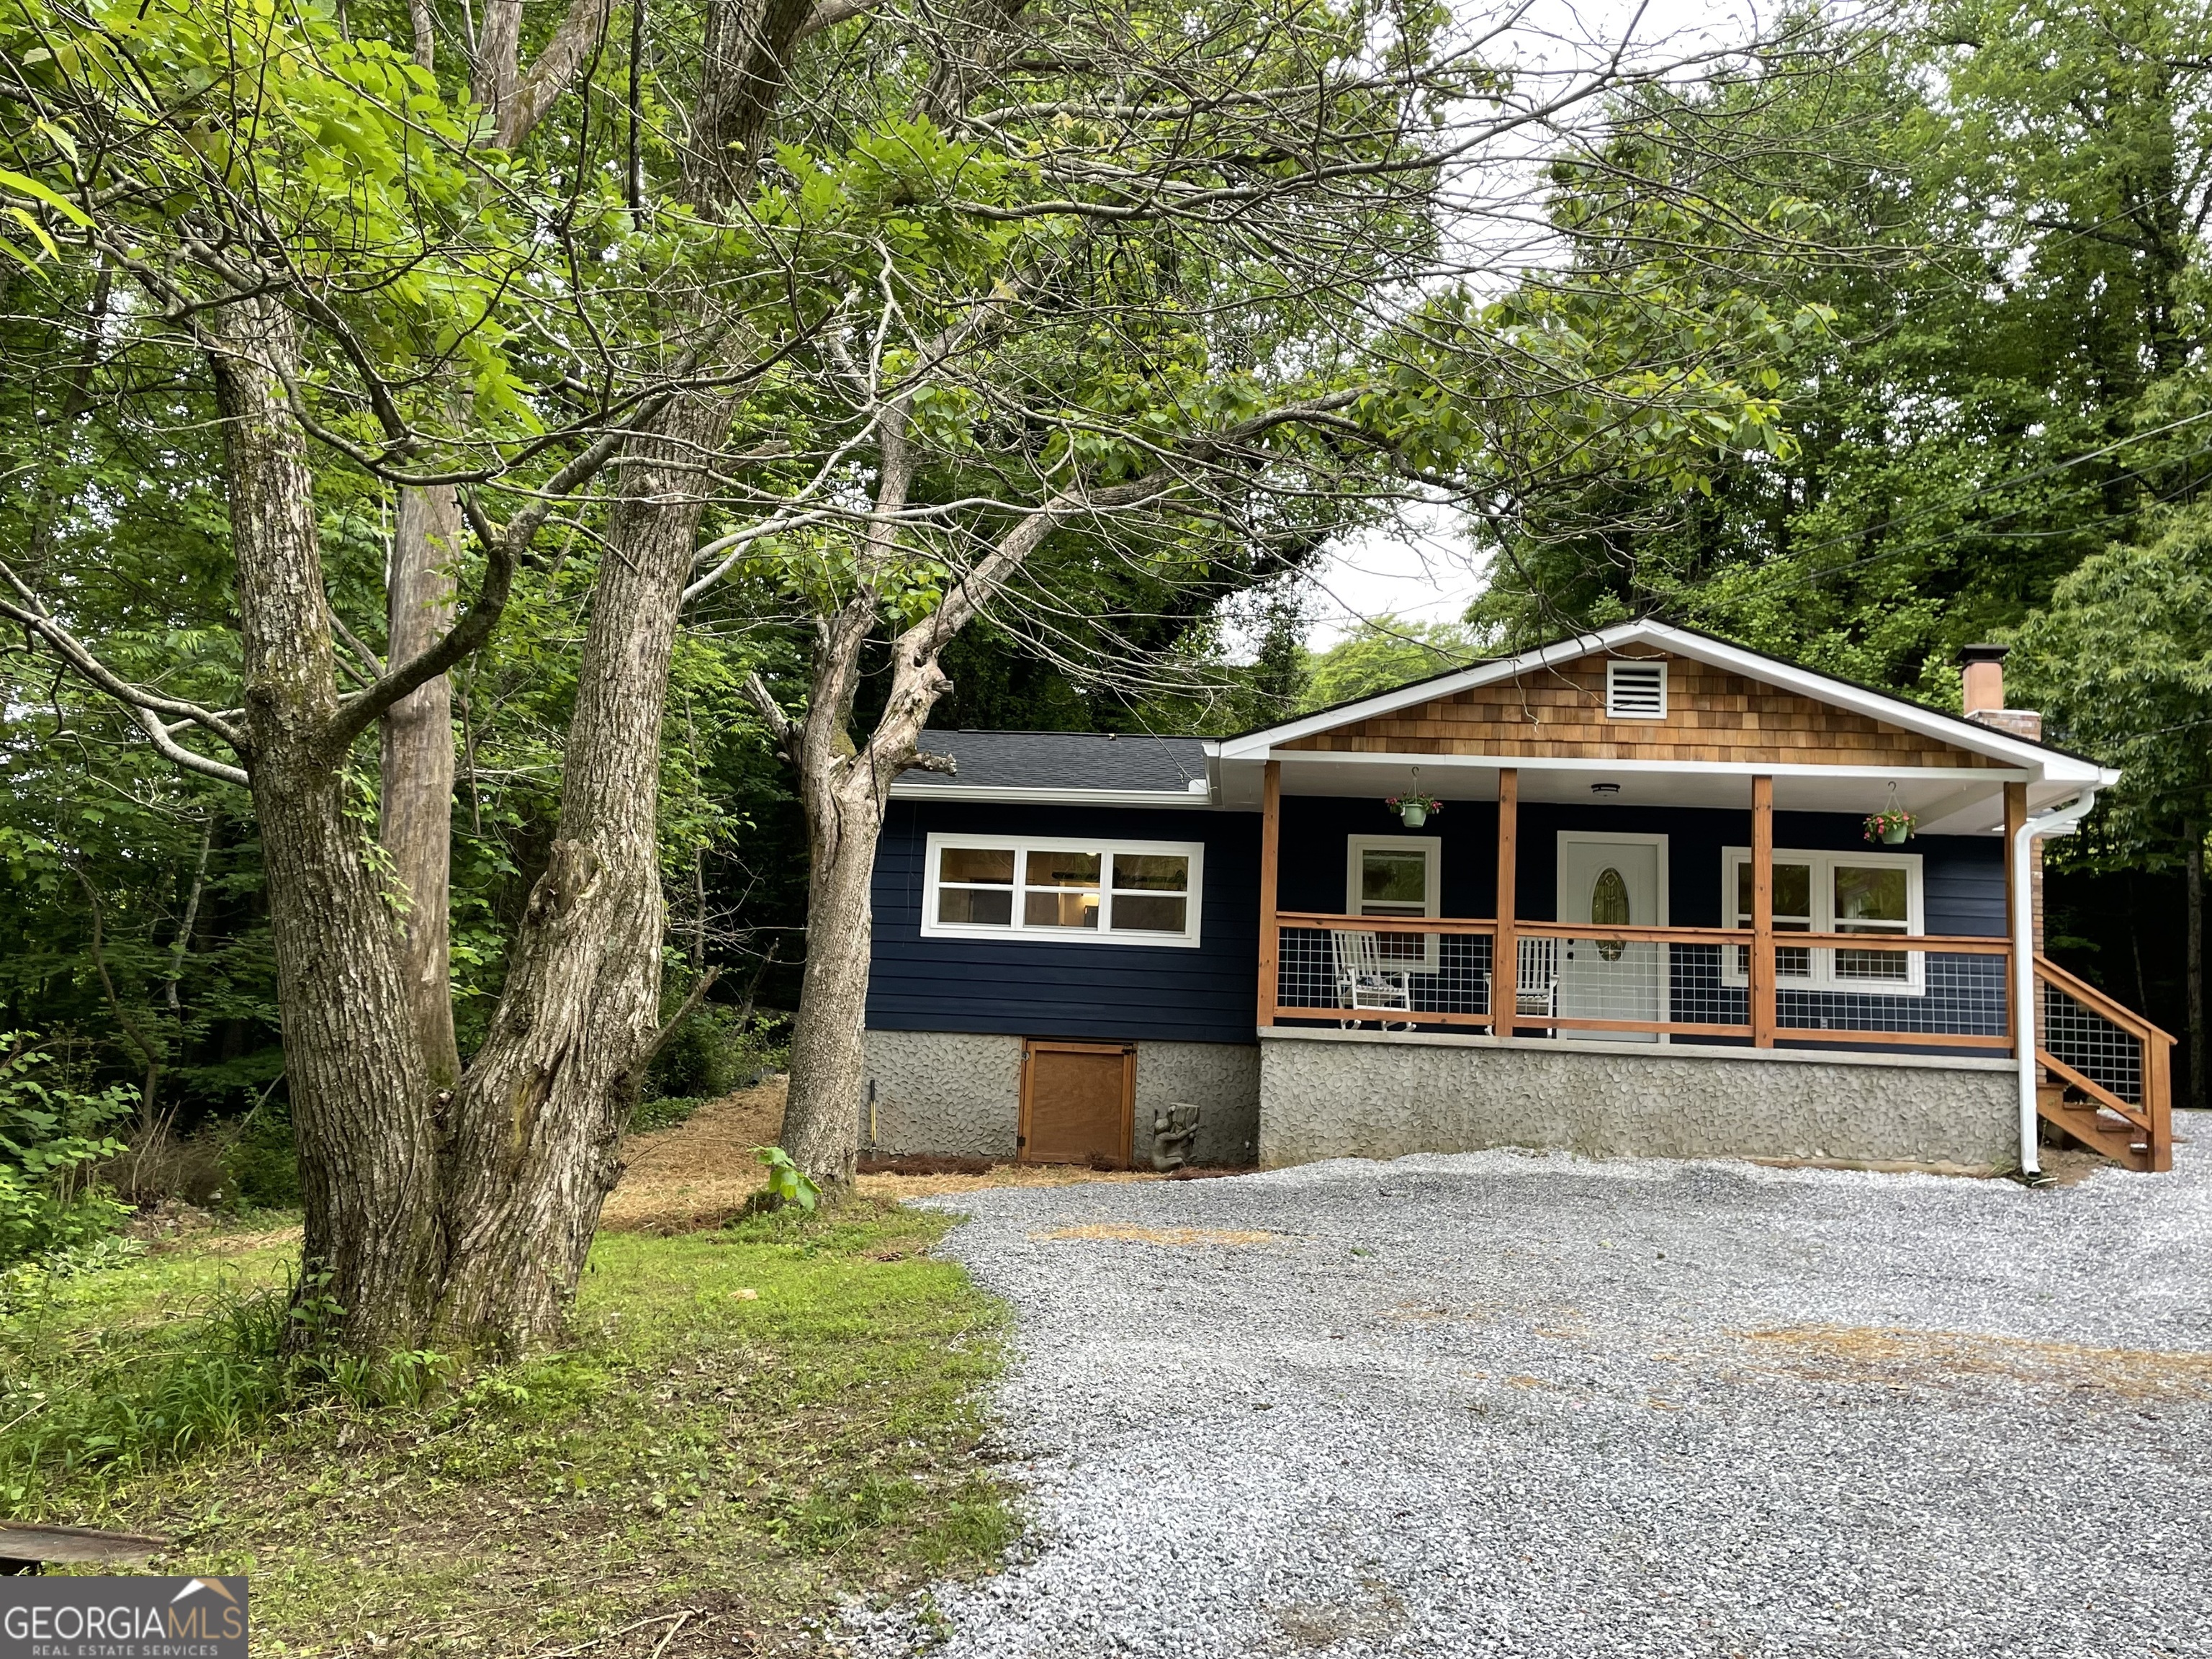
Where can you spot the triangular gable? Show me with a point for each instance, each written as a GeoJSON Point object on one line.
{"type": "Point", "coordinates": [1714, 715]}
{"type": "Point", "coordinates": [1730, 707]}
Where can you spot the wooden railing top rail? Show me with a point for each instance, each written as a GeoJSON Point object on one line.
{"type": "Point", "coordinates": [2097, 1002]}
{"type": "Point", "coordinates": [1529, 929]}
{"type": "Point", "coordinates": [1384, 924]}
{"type": "Point", "coordinates": [1947, 943]}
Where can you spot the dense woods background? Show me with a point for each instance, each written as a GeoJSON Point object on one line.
{"type": "Point", "coordinates": [1999, 429]}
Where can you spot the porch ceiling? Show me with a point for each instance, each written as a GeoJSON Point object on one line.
{"type": "Point", "coordinates": [1948, 801]}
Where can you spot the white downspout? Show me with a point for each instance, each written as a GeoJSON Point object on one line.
{"type": "Point", "coordinates": [2062, 821]}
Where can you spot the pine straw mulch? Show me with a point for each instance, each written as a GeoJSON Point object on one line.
{"type": "Point", "coordinates": [1902, 1358]}
{"type": "Point", "coordinates": [700, 1173]}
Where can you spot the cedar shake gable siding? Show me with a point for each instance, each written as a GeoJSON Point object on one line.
{"type": "Point", "coordinates": [1712, 715]}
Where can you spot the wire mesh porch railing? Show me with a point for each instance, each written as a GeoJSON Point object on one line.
{"type": "Point", "coordinates": [2106, 1071]}
{"type": "Point", "coordinates": [1691, 983]}
{"type": "Point", "coordinates": [2103, 1067]}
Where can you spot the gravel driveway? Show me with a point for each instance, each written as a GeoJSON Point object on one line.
{"type": "Point", "coordinates": [1507, 1404]}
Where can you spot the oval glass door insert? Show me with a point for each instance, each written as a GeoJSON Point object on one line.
{"type": "Point", "coordinates": [1609, 907]}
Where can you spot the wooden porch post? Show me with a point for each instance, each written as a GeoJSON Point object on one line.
{"type": "Point", "coordinates": [1505, 950]}
{"type": "Point", "coordinates": [1762, 912]}
{"type": "Point", "coordinates": [2016, 814]}
{"type": "Point", "coordinates": [1271, 827]}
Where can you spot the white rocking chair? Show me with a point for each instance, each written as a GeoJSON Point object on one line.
{"type": "Point", "coordinates": [1538, 990]}
{"type": "Point", "coordinates": [1366, 981]}
{"type": "Point", "coordinates": [1536, 986]}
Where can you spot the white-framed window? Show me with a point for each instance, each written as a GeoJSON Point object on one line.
{"type": "Point", "coordinates": [1865, 892]}
{"type": "Point", "coordinates": [1395, 876]}
{"type": "Point", "coordinates": [1038, 887]}
{"type": "Point", "coordinates": [1635, 689]}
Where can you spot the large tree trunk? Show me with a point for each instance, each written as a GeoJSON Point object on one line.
{"type": "Point", "coordinates": [540, 1114]}
{"type": "Point", "coordinates": [415, 800]}
{"type": "Point", "coordinates": [821, 1109]}
{"type": "Point", "coordinates": [363, 1107]}
{"type": "Point", "coordinates": [415, 812]}
{"type": "Point", "coordinates": [463, 1217]}
{"type": "Point", "coordinates": [843, 792]}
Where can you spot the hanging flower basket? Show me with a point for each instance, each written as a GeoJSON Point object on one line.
{"type": "Point", "coordinates": [1414, 810]}
{"type": "Point", "coordinates": [1892, 828]}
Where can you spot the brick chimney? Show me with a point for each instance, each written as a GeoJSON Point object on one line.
{"type": "Point", "coordinates": [1981, 674]}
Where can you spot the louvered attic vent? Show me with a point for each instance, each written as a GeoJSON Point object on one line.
{"type": "Point", "coordinates": [1635, 690]}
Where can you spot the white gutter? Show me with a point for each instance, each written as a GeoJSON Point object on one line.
{"type": "Point", "coordinates": [1197, 793]}
{"type": "Point", "coordinates": [2061, 822]}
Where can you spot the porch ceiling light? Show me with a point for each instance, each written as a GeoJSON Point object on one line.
{"type": "Point", "coordinates": [1605, 789]}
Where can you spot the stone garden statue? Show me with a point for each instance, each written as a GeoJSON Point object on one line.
{"type": "Point", "coordinates": [1173, 1131]}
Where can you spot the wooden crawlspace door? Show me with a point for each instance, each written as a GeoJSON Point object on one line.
{"type": "Point", "coordinates": [1077, 1102]}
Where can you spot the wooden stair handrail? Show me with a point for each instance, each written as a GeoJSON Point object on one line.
{"type": "Point", "coordinates": [2083, 992]}
{"type": "Point", "coordinates": [2154, 1117]}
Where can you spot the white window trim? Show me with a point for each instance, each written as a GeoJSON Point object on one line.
{"type": "Point", "coordinates": [1613, 665]}
{"type": "Point", "coordinates": [1022, 846]}
{"type": "Point", "coordinates": [1433, 846]}
{"type": "Point", "coordinates": [1823, 976]}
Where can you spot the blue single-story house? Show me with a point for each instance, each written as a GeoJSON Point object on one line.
{"type": "Point", "coordinates": [1750, 909]}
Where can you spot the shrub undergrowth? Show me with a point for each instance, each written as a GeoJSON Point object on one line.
{"type": "Point", "coordinates": [777, 1413]}
{"type": "Point", "coordinates": [76, 1399]}
{"type": "Point", "coordinates": [52, 1137]}
{"type": "Point", "coordinates": [663, 1114]}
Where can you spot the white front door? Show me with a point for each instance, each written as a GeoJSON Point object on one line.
{"type": "Point", "coordinates": [1621, 879]}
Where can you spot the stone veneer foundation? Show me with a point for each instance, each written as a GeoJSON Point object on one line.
{"type": "Point", "coordinates": [958, 1093]}
{"type": "Point", "coordinates": [1370, 1094]}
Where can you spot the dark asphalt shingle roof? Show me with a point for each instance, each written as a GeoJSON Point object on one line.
{"type": "Point", "coordinates": [1063, 760]}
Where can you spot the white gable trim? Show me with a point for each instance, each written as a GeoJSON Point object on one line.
{"type": "Point", "coordinates": [1965, 734]}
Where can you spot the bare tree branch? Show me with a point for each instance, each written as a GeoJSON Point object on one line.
{"type": "Point", "coordinates": [555, 65]}
{"type": "Point", "coordinates": [830, 13]}
{"type": "Point", "coordinates": [782, 728]}
{"type": "Point", "coordinates": [178, 755]}
{"type": "Point", "coordinates": [33, 616]}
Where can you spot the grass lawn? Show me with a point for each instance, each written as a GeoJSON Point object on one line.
{"type": "Point", "coordinates": [707, 1469]}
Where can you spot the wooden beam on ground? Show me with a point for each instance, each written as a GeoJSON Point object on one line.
{"type": "Point", "coordinates": [1271, 833]}
{"type": "Point", "coordinates": [1762, 912]}
{"type": "Point", "coordinates": [25, 1548]}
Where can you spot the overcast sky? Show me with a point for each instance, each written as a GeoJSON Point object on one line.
{"type": "Point", "coordinates": [1425, 571]}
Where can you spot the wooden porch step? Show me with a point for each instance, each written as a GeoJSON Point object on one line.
{"type": "Point", "coordinates": [2102, 1132]}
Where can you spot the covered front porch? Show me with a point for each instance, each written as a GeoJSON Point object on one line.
{"type": "Point", "coordinates": [1676, 910]}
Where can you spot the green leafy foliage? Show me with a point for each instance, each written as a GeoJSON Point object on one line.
{"type": "Point", "coordinates": [1383, 653]}
{"type": "Point", "coordinates": [712, 1053]}
{"type": "Point", "coordinates": [787, 1182]}
{"type": "Point", "coordinates": [1982, 204]}
{"type": "Point", "coordinates": [1133, 256]}
{"type": "Point", "coordinates": [260, 1165]}
{"type": "Point", "coordinates": [664, 1112]}
{"type": "Point", "coordinates": [53, 1137]}
{"type": "Point", "coordinates": [2121, 662]}
{"type": "Point", "coordinates": [816, 1439]}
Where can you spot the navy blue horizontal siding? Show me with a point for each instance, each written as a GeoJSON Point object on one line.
{"type": "Point", "coordinates": [1085, 988]}
{"type": "Point", "coordinates": [1028, 987]}
{"type": "Point", "coordinates": [1962, 876]}
{"type": "Point", "coordinates": [1962, 892]}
